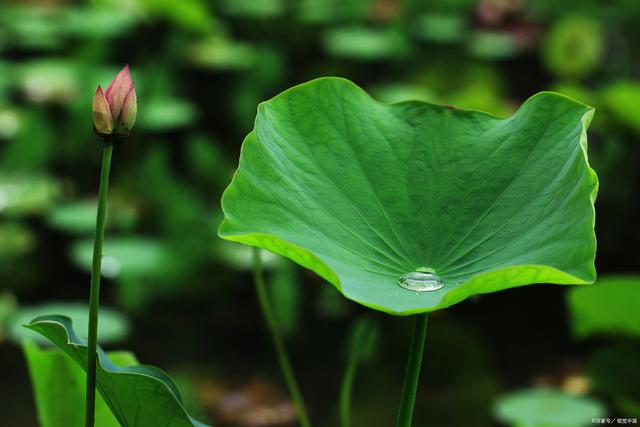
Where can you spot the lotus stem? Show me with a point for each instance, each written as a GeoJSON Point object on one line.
{"type": "Point", "coordinates": [94, 297]}
{"type": "Point", "coordinates": [346, 390]}
{"type": "Point", "coordinates": [278, 341]}
{"type": "Point", "coordinates": [412, 376]}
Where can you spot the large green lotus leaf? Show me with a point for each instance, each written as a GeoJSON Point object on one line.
{"type": "Point", "coordinates": [363, 192]}
{"type": "Point", "coordinates": [138, 396]}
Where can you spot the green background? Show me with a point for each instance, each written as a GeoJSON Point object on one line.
{"type": "Point", "coordinates": [201, 68]}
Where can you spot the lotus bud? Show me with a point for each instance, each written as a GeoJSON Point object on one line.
{"type": "Point", "coordinates": [115, 110]}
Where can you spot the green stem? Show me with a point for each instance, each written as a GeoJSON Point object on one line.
{"type": "Point", "coordinates": [412, 376]}
{"type": "Point", "coordinates": [94, 297]}
{"type": "Point", "coordinates": [346, 390]}
{"type": "Point", "coordinates": [278, 341]}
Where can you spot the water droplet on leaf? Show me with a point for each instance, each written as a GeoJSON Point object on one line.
{"type": "Point", "coordinates": [421, 281]}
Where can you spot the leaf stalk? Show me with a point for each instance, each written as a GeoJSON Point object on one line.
{"type": "Point", "coordinates": [412, 375]}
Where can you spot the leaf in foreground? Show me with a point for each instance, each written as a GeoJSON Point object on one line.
{"type": "Point", "coordinates": [59, 386]}
{"type": "Point", "coordinates": [138, 396]}
{"type": "Point", "coordinates": [363, 193]}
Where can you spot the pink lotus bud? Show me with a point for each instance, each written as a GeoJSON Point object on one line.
{"type": "Point", "coordinates": [115, 110]}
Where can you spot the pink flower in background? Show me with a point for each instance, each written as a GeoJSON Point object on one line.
{"type": "Point", "coordinates": [115, 110]}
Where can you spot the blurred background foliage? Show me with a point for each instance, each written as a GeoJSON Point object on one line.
{"type": "Point", "coordinates": [180, 298]}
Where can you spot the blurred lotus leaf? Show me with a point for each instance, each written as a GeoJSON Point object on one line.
{"type": "Point", "coordinates": [24, 193]}
{"type": "Point", "coordinates": [162, 114]}
{"type": "Point", "coordinates": [190, 15]}
{"type": "Point", "coordinates": [218, 52]}
{"type": "Point", "coordinates": [79, 217]}
{"type": "Point", "coordinates": [467, 85]}
{"type": "Point", "coordinates": [9, 120]}
{"type": "Point", "coordinates": [547, 408]}
{"type": "Point", "coordinates": [98, 22]}
{"type": "Point", "coordinates": [59, 387]}
{"type": "Point", "coordinates": [363, 43]}
{"type": "Point", "coordinates": [573, 47]}
{"type": "Point", "coordinates": [480, 97]}
{"type": "Point", "coordinates": [611, 306]}
{"type": "Point", "coordinates": [130, 256]}
{"type": "Point", "coordinates": [16, 240]}
{"type": "Point", "coordinates": [493, 45]}
{"type": "Point", "coordinates": [621, 99]}
{"type": "Point", "coordinates": [241, 256]}
{"type": "Point", "coordinates": [441, 27]}
{"type": "Point", "coordinates": [113, 326]}
{"type": "Point", "coordinates": [49, 80]}
{"type": "Point", "coordinates": [32, 27]}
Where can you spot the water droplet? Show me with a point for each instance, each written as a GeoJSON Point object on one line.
{"type": "Point", "coordinates": [421, 281]}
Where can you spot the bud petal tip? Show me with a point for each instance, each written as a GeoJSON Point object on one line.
{"type": "Point", "coordinates": [118, 90]}
{"type": "Point", "coordinates": [102, 118]}
{"type": "Point", "coordinates": [129, 111]}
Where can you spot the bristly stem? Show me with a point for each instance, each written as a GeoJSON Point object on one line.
{"type": "Point", "coordinates": [94, 297]}
{"type": "Point", "coordinates": [412, 376]}
{"type": "Point", "coordinates": [278, 341]}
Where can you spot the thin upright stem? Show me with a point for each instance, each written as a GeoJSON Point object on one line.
{"type": "Point", "coordinates": [278, 341]}
{"type": "Point", "coordinates": [346, 390]}
{"type": "Point", "coordinates": [94, 297]}
{"type": "Point", "coordinates": [412, 376]}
